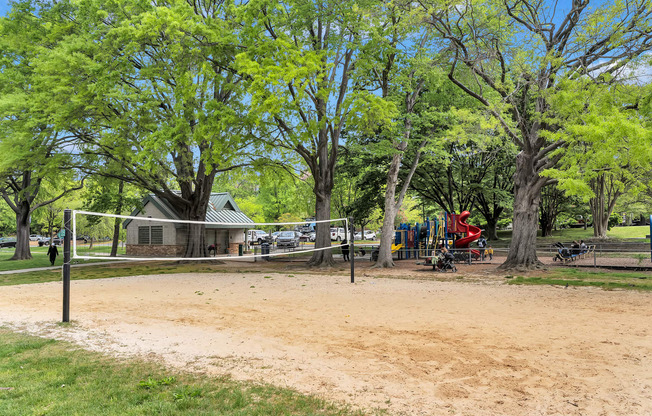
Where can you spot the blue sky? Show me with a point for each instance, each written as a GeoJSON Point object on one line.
{"type": "Point", "coordinates": [4, 7]}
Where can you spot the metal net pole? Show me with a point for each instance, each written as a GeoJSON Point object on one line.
{"type": "Point", "coordinates": [66, 265]}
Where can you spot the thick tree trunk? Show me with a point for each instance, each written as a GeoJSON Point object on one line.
{"type": "Point", "coordinates": [603, 204]}
{"type": "Point", "coordinates": [323, 258]}
{"type": "Point", "coordinates": [22, 233]}
{"type": "Point", "coordinates": [600, 226]}
{"type": "Point", "coordinates": [600, 218]}
{"type": "Point", "coordinates": [391, 209]}
{"type": "Point", "coordinates": [196, 241]}
{"type": "Point", "coordinates": [196, 237]}
{"type": "Point", "coordinates": [527, 193]}
{"type": "Point", "coordinates": [546, 224]}
{"type": "Point", "coordinates": [117, 222]}
{"type": "Point", "coordinates": [547, 231]}
{"type": "Point", "coordinates": [492, 229]}
{"type": "Point", "coordinates": [385, 253]}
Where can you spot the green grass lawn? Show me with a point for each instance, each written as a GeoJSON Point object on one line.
{"type": "Point", "coordinates": [102, 271]}
{"type": "Point", "coordinates": [581, 277]}
{"type": "Point", "coordinates": [39, 259]}
{"type": "Point", "coordinates": [570, 234]}
{"type": "Point", "coordinates": [45, 377]}
{"type": "Point", "coordinates": [639, 231]}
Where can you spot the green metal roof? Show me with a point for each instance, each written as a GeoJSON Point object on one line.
{"type": "Point", "coordinates": [222, 210]}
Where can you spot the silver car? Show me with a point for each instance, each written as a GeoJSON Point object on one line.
{"type": "Point", "coordinates": [288, 239]}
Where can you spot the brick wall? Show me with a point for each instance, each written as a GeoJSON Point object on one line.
{"type": "Point", "coordinates": [233, 248]}
{"type": "Point", "coordinates": [146, 250]}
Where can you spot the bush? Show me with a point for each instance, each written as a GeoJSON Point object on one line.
{"type": "Point", "coordinates": [614, 220]}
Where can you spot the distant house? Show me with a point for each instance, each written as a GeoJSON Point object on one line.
{"type": "Point", "coordinates": [169, 239]}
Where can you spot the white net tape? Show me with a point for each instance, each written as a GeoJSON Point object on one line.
{"type": "Point", "coordinates": [145, 238]}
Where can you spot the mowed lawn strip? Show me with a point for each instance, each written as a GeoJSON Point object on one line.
{"type": "Point", "coordinates": [43, 376]}
{"type": "Point", "coordinates": [102, 271]}
{"type": "Point", "coordinates": [577, 277]}
{"type": "Point", "coordinates": [39, 259]}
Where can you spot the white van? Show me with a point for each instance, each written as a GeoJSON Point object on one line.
{"type": "Point", "coordinates": [337, 234]}
{"type": "Point", "coordinates": [256, 236]}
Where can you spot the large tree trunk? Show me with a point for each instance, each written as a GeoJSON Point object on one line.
{"type": "Point", "coordinates": [391, 209]}
{"type": "Point", "coordinates": [492, 229]}
{"type": "Point", "coordinates": [600, 226]}
{"type": "Point", "coordinates": [22, 233]}
{"type": "Point", "coordinates": [546, 223]}
{"type": "Point", "coordinates": [600, 215]}
{"type": "Point", "coordinates": [196, 241]}
{"type": "Point", "coordinates": [527, 193]}
{"type": "Point", "coordinates": [117, 222]}
{"type": "Point", "coordinates": [323, 258]}
{"type": "Point", "coordinates": [603, 204]}
{"type": "Point", "coordinates": [196, 237]}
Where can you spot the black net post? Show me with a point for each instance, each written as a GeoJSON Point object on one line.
{"type": "Point", "coordinates": [67, 214]}
{"type": "Point", "coordinates": [352, 250]}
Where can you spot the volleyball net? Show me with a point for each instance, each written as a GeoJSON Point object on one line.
{"type": "Point", "coordinates": [122, 237]}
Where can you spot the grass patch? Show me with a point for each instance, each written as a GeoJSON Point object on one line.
{"type": "Point", "coordinates": [576, 277]}
{"type": "Point", "coordinates": [39, 259]}
{"type": "Point", "coordinates": [41, 376]}
{"type": "Point", "coordinates": [639, 231]}
{"type": "Point", "coordinates": [103, 271]}
{"type": "Point", "coordinates": [570, 234]}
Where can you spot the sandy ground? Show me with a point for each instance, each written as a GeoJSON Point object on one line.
{"type": "Point", "coordinates": [414, 346]}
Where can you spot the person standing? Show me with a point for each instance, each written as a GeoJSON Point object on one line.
{"type": "Point", "coordinates": [345, 250]}
{"type": "Point", "coordinates": [482, 243]}
{"type": "Point", "coordinates": [53, 253]}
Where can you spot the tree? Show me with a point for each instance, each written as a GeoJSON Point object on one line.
{"type": "Point", "coordinates": [610, 152]}
{"type": "Point", "coordinates": [399, 74]}
{"type": "Point", "coordinates": [359, 182]}
{"type": "Point", "coordinates": [496, 192]}
{"type": "Point", "coordinates": [521, 53]}
{"type": "Point", "coordinates": [303, 57]}
{"type": "Point", "coordinates": [155, 93]}
{"type": "Point", "coordinates": [552, 200]}
{"type": "Point", "coordinates": [106, 194]}
{"type": "Point", "coordinates": [33, 151]}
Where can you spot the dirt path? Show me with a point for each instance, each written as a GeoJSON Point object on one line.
{"type": "Point", "coordinates": [414, 347]}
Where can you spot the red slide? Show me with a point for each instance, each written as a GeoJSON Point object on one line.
{"type": "Point", "coordinates": [472, 232]}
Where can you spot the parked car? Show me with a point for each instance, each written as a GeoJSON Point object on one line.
{"type": "Point", "coordinates": [312, 237]}
{"type": "Point", "coordinates": [370, 235]}
{"type": "Point", "coordinates": [256, 236]}
{"type": "Point", "coordinates": [308, 227]}
{"type": "Point", "coordinates": [338, 234]}
{"type": "Point", "coordinates": [35, 237]}
{"type": "Point", "coordinates": [45, 241]}
{"type": "Point", "coordinates": [7, 242]}
{"type": "Point", "coordinates": [288, 239]}
{"type": "Point", "coordinates": [274, 235]}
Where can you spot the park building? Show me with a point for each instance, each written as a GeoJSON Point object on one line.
{"type": "Point", "coordinates": [168, 239]}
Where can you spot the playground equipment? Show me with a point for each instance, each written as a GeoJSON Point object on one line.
{"type": "Point", "coordinates": [472, 233]}
{"type": "Point", "coordinates": [447, 230]}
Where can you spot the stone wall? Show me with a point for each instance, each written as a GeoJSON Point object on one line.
{"type": "Point", "coordinates": [165, 250]}
{"type": "Point", "coordinates": [233, 248]}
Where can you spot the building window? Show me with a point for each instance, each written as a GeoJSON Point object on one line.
{"type": "Point", "coordinates": [156, 235]}
{"type": "Point", "coordinates": [150, 235]}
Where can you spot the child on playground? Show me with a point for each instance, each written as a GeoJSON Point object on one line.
{"type": "Point", "coordinates": [490, 252]}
